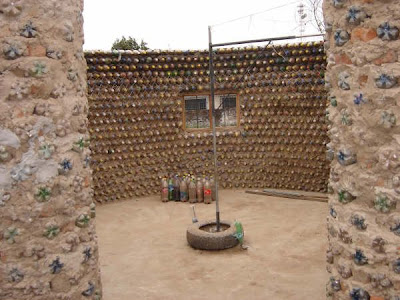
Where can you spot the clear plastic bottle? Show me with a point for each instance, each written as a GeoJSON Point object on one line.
{"type": "Point", "coordinates": [200, 190]}
{"type": "Point", "coordinates": [183, 190]}
{"type": "Point", "coordinates": [170, 190]}
{"type": "Point", "coordinates": [192, 192]}
{"type": "Point", "coordinates": [188, 179]}
{"type": "Point", "coordinates": [177, 196]}
{"type": "Point", "coordinates": [207, 192]}
{"type": "Point", "coordinates": [164, 189]}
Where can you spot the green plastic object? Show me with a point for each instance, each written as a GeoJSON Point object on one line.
{"type": "Point", "coordinates": [239, 235]}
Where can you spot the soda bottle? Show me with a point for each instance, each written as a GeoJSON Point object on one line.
{"type": "Point", "coordinates": [188, 179]}
{"type": "Point", "coordinates": [170, 190]}
{"type": "Point", "coordinates": [183, 190]}
{"type": "Point", "coordinates": [192, 192]}
{"type": "Point", "coordinates": [207, 192]}
{"type": "Point", "coordinates": [199, 190]}
{"type": "Point", "coordinates": [177, 196]}
{"type": "Point", "coordinates": [164, 190]}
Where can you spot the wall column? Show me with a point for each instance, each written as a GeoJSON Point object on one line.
{"type": "Point", "coordinates": [48, 247]}
{"type": "Point", "coordinates": [363, 79]}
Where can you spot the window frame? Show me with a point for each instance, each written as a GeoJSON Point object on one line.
{"type": "Point", "coordinates": [210, 111]}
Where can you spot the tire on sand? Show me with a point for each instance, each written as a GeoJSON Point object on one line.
{"type": "Point", "coordinates": [200, 239]}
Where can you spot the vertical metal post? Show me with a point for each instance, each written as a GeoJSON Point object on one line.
{"type": "Point", "coordinates": [211, 65]}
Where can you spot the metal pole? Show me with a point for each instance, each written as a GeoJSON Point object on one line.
{"type": "Point", "coordinates": [211, 68]}
{"type": "Point", "coordinates": [265, 40]}
{"type": "Point", "coordinates": [211, 65]}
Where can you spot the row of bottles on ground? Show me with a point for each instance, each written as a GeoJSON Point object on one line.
{"type": "Point", "coordinates": [188, 188]}
{"type": "Point", "coordinates": [193, 190]}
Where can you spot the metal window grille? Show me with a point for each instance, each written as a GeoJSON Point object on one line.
{"type": "Point", "coordinates": [226, 110]}
{"type": "Point", "coordinates": [196, 104]}
{"type": "Point", "coordinates": [228, 102]}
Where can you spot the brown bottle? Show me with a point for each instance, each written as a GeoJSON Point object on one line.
{"type": "Point", "coordinates": [199, 190]}
{"type": "Point", "coordinates": [207, 192]}
{"type": "Point", "coordinates": [176, 184]}
{"type": "Point", "coordinates": [192, 192]}
{"type": "Point", "coordinates": [188, 180]}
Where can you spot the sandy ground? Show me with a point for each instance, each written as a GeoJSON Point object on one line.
{"type": "Point", "coordinates": [144, 253]}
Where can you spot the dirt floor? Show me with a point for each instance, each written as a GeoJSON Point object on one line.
{"type": "Point", "coordinates": [144, 253]}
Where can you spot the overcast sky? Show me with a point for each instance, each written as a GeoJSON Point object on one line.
{"type": "Point", "coordinates": [177, 24]}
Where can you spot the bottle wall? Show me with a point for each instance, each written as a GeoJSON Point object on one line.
{"type": "Point", "coordinates": [364, 220]}
{"type": "Point", "coordinates": [48, 245]}
{"type": "Point", "coordinates": [136, 123]}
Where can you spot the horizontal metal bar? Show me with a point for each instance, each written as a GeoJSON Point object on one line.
{"type": "Point", "coordinates": [266, 40]}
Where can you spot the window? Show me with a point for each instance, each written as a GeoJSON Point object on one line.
{"type": "Point", "coordinates": [197, 112]}
{"type": "Point", "coordinates": [225, 110]}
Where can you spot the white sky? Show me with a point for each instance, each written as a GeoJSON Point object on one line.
{"type": "Point", "coordinates": [177, 24]}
